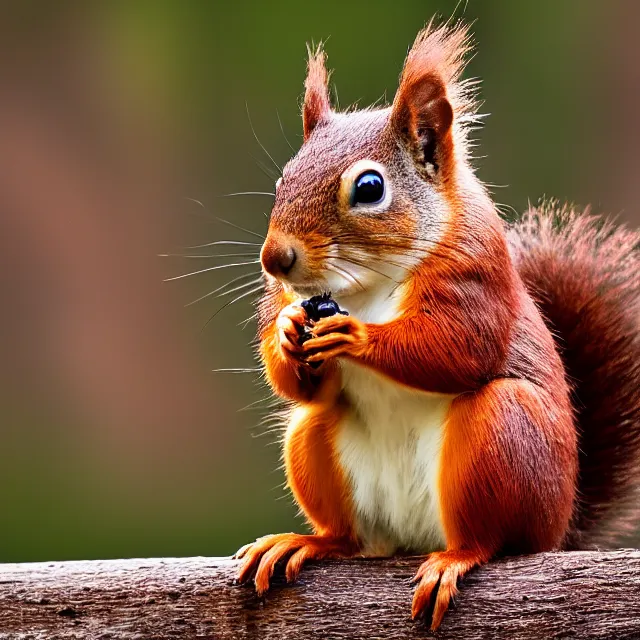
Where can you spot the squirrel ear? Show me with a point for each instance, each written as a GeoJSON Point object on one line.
{"type": "Point", "coordinates": [423, 109]}
{"type": "Point", "coordinates": [316, 106]}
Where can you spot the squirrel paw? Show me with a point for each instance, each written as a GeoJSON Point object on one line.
{"type": "Point", "coordinates": [260, 557]}
{"type": "Point", "coordinates": [440, 571]}
{"type": "Point", "coordinates": [338, 335]}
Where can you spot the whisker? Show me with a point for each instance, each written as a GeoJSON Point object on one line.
{"type": "Point", "coordinates": [421, 249]}
{"type": "Point", "coordinates": [424, 241]}
{"type": "Point", "coordinates": [219, 266]}
{"type": "Point", "coordinates": [357, 263]}
{"type": "Point", "coordinates": [232, 224]}
{"type": "Point", "coordinates": [356, 279]}
{"type": "Point", "coordinates": [248, 193]}
{"type": "Point", "coordinates": [218, 242]}
{"type": "Point", "coordinates": [211, 293]}
{"type": "Point", "coordinates": [272, 402]}
{"type": "Point", "coordinates": [236, 299]}
{"type": "Point", "coordinates": [237, 370]}
{"type": "Point", "coordinates": [430, 245]}
{"type": "Point", "coordinates": [418, 254]}
{"type": "Point", "coordinates": [211, 255]}
{"type": "Point", "coordinates": [277, 166]}
{"type": "Point", "coordinates": [267, 172]}
{"type": "Point", "coordinates": [241, 286]}
{"type": "Point", "coordinates": [283, 133]}
{"type": "Point", "coordinates": [346, 274]}
{"type": "Point", "coordinates": [386, 261]}
{"type": "Point", "coordinates": [244, 323]}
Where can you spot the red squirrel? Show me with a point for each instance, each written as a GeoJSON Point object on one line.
{"type": "Point", "coordinates": [482, 395]}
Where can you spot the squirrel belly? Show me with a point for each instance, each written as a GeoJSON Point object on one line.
{"type": "Point", "coordinates": [389, 445]}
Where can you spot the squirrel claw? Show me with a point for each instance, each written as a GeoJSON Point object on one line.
{"type": "Point", "coordinates": [440, 572]}
{"type": "Point", "coordinates": [260, 557]}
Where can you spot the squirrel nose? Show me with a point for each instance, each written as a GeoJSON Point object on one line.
{"type": "Point", "coordinates": [278, 259]}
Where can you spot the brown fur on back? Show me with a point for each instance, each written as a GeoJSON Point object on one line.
{"type": "Point", "coordinates": [584, 274]}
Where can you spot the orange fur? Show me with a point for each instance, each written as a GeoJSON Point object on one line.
{"type": "Point", "coordinates": [316, 105]}
{"type": "Point", "coordinates": [486, 431]}
{"type": "Point", "coordinates": [319, 487]}
{"type": "Point", "coordinates": [313, 473]}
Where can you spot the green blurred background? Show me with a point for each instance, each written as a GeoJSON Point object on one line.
{"type": "Point", "coordinates": [116, 438]}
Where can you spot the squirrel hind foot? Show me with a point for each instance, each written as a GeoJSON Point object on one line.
{"type": "Point", "coordinates": [437, 580]}
{"type": "Point", "coordinates": [261, 557]}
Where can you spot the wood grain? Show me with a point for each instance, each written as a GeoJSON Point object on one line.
{"type": "Point", "coordinates": [553, 595]}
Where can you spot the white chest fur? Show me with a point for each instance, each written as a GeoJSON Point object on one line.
{"type": "Point", "coordinates": [390, 438]}
{"type": "Point", "coordinates": [389, 446]}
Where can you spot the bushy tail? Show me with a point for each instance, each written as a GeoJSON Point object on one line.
{"type": "Point", "coordinates": [585, 275]}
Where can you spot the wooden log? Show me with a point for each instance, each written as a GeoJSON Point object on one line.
{"type": "Point", "coordinates": [551, 595]}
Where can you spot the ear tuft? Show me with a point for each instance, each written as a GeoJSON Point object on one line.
{"type": "Point", "coordinates": [439, 52]}
{"type": "Point", "coordinates": [430, 97]}
{"type": "Point", "coordinates": [317, 106]}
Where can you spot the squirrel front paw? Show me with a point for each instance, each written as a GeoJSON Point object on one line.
{"type": "Point", "coordinates": [338, 335]}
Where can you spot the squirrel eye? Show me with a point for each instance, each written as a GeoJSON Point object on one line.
{"type": "Point", "coordinates": [368, 188]}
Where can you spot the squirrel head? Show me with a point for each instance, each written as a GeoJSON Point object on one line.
{"type": "Point", "coordinates": [371, 191]}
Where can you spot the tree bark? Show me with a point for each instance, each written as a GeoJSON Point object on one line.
{"type": "Point", "coordinates": [551, 595]}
